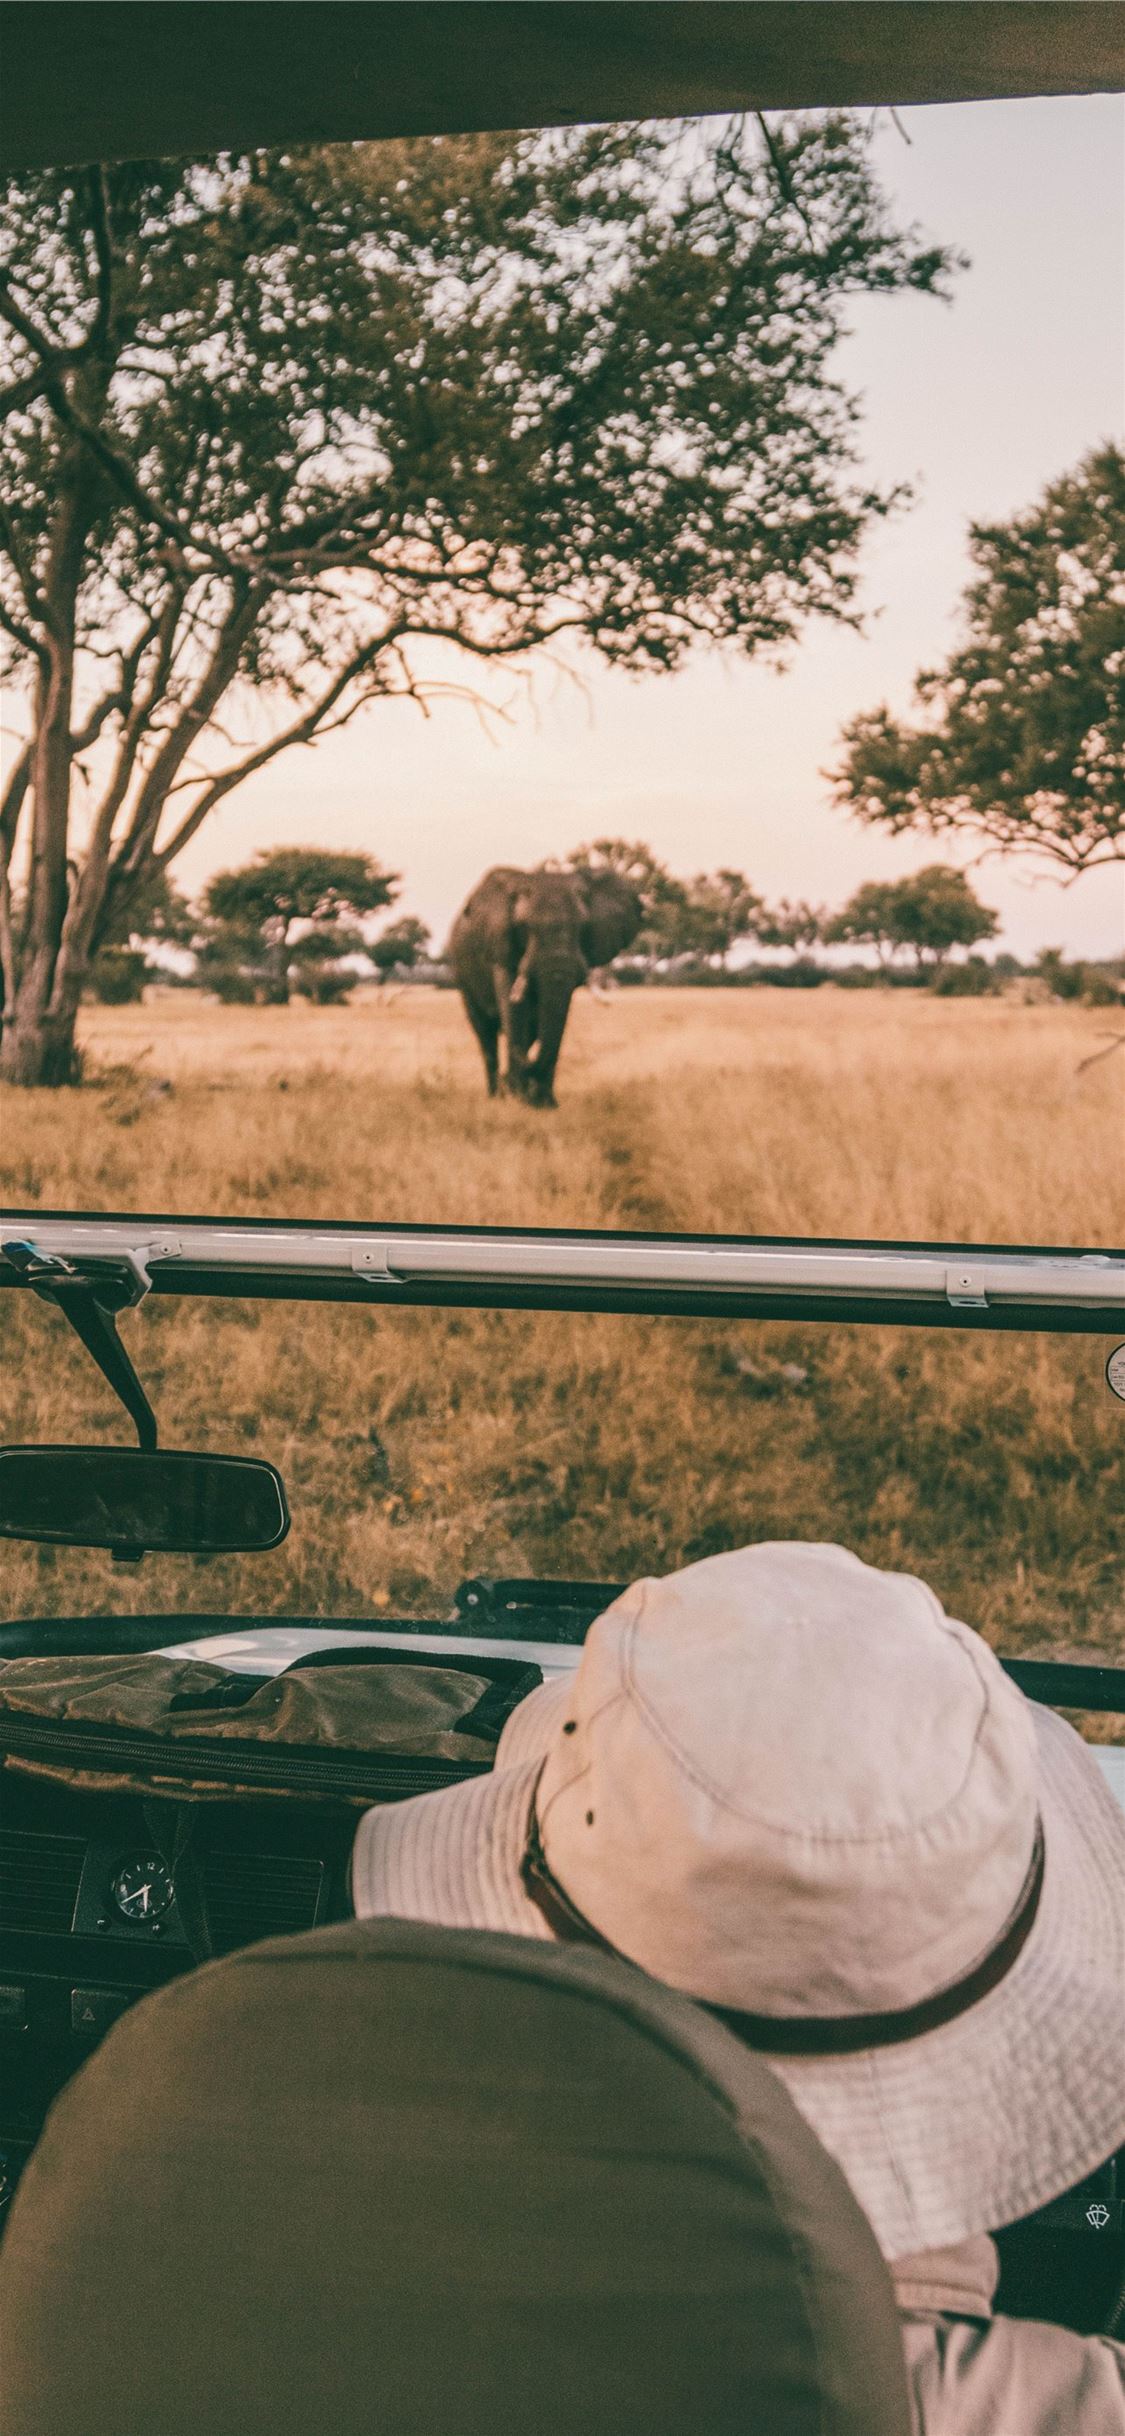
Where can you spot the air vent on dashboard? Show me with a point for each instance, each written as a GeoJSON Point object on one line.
{"type": "Point", "coordinates": [39, 1877]}
{"type": "Point", "coordinates": [259, 1894]}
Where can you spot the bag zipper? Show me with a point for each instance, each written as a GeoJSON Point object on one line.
{"type": "Point", "coordinates": [392, 1776]}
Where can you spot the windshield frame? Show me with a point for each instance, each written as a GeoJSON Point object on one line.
{"type": "Point", "coordinates": [1054, 1289]}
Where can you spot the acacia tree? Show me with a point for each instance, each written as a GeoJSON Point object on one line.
{"type": "Point", "coordinates": [933, 911]}
{"type": "Point", "coordinates": [156, 915]}
{"type": "Point", "coordinates": [400, 947]}
{"type": "Point", "coordinates": [1022, 740]}
{"type": "Point", "coordinates": [794, 925]}
{"type": "Point", "coordinates": [867, 920]}
{"type": "Point", "coordinates": [720, 909]}
{"type": "Point", "coordinates": [252, 912]}
{"type": "Point", "coordinates": [273, 421]}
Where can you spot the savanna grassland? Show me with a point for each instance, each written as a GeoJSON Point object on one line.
{"type": "Point", "coordinates": [421, 1447]}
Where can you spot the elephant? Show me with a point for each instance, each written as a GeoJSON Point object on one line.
{"type": "Point", "coordinates": [522, 944]}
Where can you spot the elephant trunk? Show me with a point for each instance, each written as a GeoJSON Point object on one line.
{"type": "Point", "coordinates": [554, 985]}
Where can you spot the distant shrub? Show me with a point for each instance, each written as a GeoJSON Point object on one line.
{"type": "Point", "coordinates": [857, 977]}
{"type": "Point", "coordinates": [324, 984]}
{"type": "Point", "coordinates": [695, 973]}
{"type": "Point", "coordinates": [118, 976]}
{"type": "Point", "coordinates": [1063, 980]}
{"type": "Point", "coordinates": [1100, 989]}
{"type": "Point", "coordinates": [973, 979]}
{"type": "Point", "coordinates": [166, 977]}
{"type": "Point", "coordinates": [232, 984]}
{"type": "Point", "coordinates": [802, 974]}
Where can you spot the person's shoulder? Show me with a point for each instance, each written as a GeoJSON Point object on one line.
{"type": "Point", "coordinates": [1012, 2377]}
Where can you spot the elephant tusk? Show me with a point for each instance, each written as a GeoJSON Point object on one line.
{"type": "Point", "coordinates": [518, 989]}
{"type": "Point", "coordinates": [532, 1054]}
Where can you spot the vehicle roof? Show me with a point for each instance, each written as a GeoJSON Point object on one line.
{"type": "Point", "coordinates": [130, 79]}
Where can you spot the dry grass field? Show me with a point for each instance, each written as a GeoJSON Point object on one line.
{"type": "Point", "coordinates": [420, 1447]}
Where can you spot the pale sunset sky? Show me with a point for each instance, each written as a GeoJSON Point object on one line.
{"type": "Point", "coordinates": [977, 403]}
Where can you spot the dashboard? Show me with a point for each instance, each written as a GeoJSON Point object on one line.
{"type": "Point", "coordinates": [92, 1919]}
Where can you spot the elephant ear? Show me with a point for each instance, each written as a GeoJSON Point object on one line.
{"type": "Point", "coordinates": [612, 917]}
{"type": "Point", "coordinates": [491, 910]}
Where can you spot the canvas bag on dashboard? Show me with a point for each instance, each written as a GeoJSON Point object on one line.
{"type": "Point", "coordinates": [353, 1725]}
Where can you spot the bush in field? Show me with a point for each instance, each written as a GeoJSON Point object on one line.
{"type": "Point", "coordinates": [803, 974]}
{"type": "Point", "coordinates": [1092, 984]}
{"type": "Point", "coordinates": [1063, 979]}
{"type": "Point", "coordinates": [118, 976]}
{"type": "Point", "coordinates": [1101, 989]}
{"type": "Point", "coordinates": [326, 985]}
{"type": "Point", "coordinates": [232, 983]}
{"type": "Point", "coordinates": [973, 979]}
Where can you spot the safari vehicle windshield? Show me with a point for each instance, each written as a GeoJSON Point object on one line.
{"type": "Point", "coordinates": [591, 710]}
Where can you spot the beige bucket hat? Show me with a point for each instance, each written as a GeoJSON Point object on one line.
{"type": "Point", "coordinates": [793, 1787]}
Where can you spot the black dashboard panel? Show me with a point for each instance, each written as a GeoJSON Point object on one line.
{"type": "Point", "coordinates": [71, 1956]}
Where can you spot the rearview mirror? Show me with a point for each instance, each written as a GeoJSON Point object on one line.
{"type": "Point", "coordinates": [134, 1502]}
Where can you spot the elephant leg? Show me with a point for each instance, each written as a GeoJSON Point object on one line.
{"type": "Point", "coordinates": [552, 1009]}
{"type": "Point", "coordinates": [515, 1027]}
{"type": "Point", "coordinates": [487, 1028]}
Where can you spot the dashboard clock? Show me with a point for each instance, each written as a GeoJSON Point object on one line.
{"type": "Point", "coordinates": [142, 1888]}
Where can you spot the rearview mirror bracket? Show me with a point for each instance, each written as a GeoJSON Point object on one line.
{"type": "Point", "coordinates": [90, 1307]}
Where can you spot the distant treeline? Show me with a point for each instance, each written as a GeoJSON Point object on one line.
{"type": "Point", "coordinates": [1093, 983]}
{"type": "Point", "coordinates": [297, 921]}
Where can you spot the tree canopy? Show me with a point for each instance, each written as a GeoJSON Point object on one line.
{"type": "Point", "coordinates": [271, 421]}
{"type": "Point", "coordinates": [933, 911]}
{"type": "Point", "coordinates": [790, 925]}
{"type": "Point", "coordinates": [249, 914]}
{"type": "Point", "coordinates": [1022, 739]}
{"type": "Point", "coordinates": [399, 947]}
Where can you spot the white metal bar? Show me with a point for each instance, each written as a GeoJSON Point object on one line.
{"type": "Point", "coordinates": [1087, 1281]}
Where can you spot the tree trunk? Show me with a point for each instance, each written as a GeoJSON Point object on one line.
{"type": "Point", "coordinates": [277, 972]}
{"type": "Point", "coordinates": [39, 1049]}
{"type": "Point", "coordinates": [38, 1039]}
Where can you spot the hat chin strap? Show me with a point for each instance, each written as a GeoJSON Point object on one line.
{"type": "Point", "coordinates": [807, 2034]}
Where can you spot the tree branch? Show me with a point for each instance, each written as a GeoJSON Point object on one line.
{"type": "Point", "coordinates": [51, 358]}
{"type": "Point", "coordinates": [314, 721]}
{"type": "Point", "coordinates": [93, 899]}
{"type": "Point", "coordinates": [300, 731]}
{"type": "Point", "coordinates": [781, 173]}
{"type": "Point", "coordinates": [11, 803]}
{"type": "Point", "coordinates": [28, 641]}
{"type": "Point", "coordinates": [193, 717]}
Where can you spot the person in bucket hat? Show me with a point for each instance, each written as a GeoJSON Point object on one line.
{"type": "Point", "coordinates": [793, 1787]}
